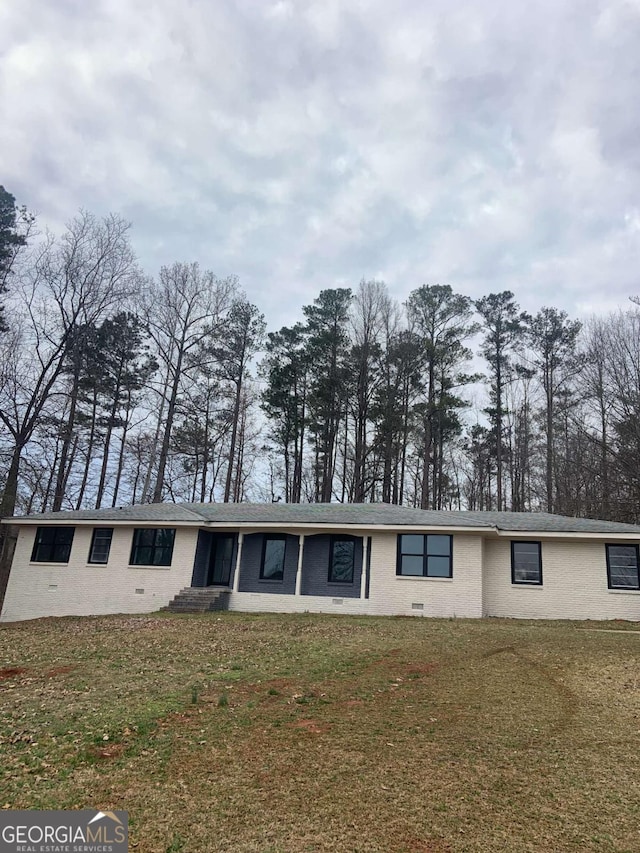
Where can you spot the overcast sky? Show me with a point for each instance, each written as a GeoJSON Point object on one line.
{"type": "Point", "coordinates": [302, 145]}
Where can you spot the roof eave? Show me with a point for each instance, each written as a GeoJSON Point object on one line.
{"type": "Point", "coordinates": [26, 520]}
{"type": "Point", "coordinates": [324, 525]}
{"type": "Point", "coordinates": [568, 534]}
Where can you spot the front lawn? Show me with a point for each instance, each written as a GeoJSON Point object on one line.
{"type": "Point", "coordinates": [238, 733]}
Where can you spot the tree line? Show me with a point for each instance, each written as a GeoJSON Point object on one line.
{"type": "Point", "coordinates": [116, 388]}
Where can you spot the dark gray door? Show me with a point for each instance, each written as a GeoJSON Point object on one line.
{"type": "Point", "coordinates": [220, 561]}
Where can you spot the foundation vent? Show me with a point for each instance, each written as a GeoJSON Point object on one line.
{"type": "Point", "coordinates": [417, 605]}
{"type": "Point", "coordinates": [139, 592]}
{"type": "Point", "coordinates": [338, 601]}
{"type": "Point", "coordinates": [53, 587]}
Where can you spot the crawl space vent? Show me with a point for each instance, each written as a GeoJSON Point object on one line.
{"type": "Point", "coordinates": [139, 592]}
{"type": "Point", "coordinates": [417, 606]}
{"type": "Point", "coordinates": [337, 600]}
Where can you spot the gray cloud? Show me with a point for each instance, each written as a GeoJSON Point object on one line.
{"type": "Point", "coordinates": [306, 145]}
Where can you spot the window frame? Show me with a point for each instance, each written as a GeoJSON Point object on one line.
{"type": "Point", "coordinates": [38, 544]}
{"type": "Point", "coordinates": [272, 537]}
{"type": "Point", "coordinates": [425, 556]}
{"type": "Point", "coordinates": [333, 541]}
{"type": "Point", "coordinates": [515, 542]}
{"type": "Point", "coordinates": [91, 560]}
{"type": "Point", "coordinates": [636, 547]}
{"type": "Point", "coordinates": [137, 531]}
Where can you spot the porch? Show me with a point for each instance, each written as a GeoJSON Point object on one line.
{"type": "Point", "coordinates": [334, 565]}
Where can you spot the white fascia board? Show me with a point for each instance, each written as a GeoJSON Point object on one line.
{"type": "Point", "coordinates": [565, 534]}
{"type": "Point", "coordinates": [34, 521]}
{"type": "Point", "coordinates": [343, 528]}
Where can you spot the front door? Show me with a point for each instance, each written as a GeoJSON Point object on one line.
{"type": "Point", "coordinates": [220, 561]}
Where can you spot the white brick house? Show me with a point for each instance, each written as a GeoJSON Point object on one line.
{"type": "Point", "coordinates": [337, 558]}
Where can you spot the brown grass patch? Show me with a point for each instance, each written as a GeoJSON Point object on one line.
{"type": "Point", "coordinates": [311, 726]}
{"type": "Point", "coordinates": [419, 845]}
{"type": "Point", "coordinates": [422, 669]}
{"type": "Point", "coordinates": [108, 752]}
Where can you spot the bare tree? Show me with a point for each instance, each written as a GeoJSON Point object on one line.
{"type": "Point", "coordinates": [65, 285]}
{"type": "Point", "coordinates": [244, 332]}
{"type": "Point", "coordinates": [370, 307]}
{"type": "Point", "coordinates": [552, 338]}
{"type": "Point", "coordinates": [502, 326]}
{"type": "Point", "coordinates": [185, 307]}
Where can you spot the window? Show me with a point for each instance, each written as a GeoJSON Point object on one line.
{"type": "Point", "coordinates": [526, 563]}
{"type": "Point", "coordinates": [100, 545]}
{"type": "Point", "coordinates": [341, 560]}
{"type": "Point", "coordinates": [623, 567]}
{"type": "Point", "coordinates": [427, 556]}
{"type": "Point", "coordinates": [52, 545]}
{"type": "Point", "coordinates": [152, 546]}
{"type": "Point", "coordinates": [272, 566]}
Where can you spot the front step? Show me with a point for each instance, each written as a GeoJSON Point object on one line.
{"type": "Point", "coordinates": [194, 599]}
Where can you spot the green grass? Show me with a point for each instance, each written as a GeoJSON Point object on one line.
{"type": "Point", "coordinates": [324, 733]}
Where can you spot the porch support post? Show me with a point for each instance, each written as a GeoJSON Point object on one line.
{"type": "Point", "coordinates": [363, 573]}
{"type": "Point", "coordinates": [236, 575]}
{"type": "Point", "coordinates": [299, 570]}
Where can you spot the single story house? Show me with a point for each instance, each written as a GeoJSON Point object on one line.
{"type": "Point", "coordinates": [332, 558]}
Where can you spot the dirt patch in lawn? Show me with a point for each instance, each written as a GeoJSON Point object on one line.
{"type": "Point", "coordinates": [59, 670]}
{"type": "Point", "coordinates": [12, 671]}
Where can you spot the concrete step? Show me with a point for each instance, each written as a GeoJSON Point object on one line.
{"type": "Point", "coordinates": [199, 600]}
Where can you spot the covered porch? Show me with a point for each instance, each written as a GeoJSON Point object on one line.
{"type": "Point", "coordinates": [277, 562]}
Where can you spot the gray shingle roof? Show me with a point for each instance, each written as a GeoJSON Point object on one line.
{"type": "Point", "coordinates": [362, 515]}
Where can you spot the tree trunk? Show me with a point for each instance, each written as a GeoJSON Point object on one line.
{"type": "Point", "coordinates": [67, 436]}
{"type": "Point", "coordinates": [168, 427]}
{"type": "Point", "coordinates": [89, 457]}
{"type": "Point", "coordinates": [234, 436]}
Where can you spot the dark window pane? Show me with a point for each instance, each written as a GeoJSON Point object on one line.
{"type": "Point", "coordinates": [342, 558]}
{"type": "Point", "coordinates": [624, 577]}
{"type": "Point", "coordinates": [526, 564]}
{"type": "Point", "coordinates": [64, 535]}
{"type": "Point", "coordinates": [101, 545]}
{"type": "Point", "coordinates": [225, 550]}
{"type": "Point", "coordinates": [145, 537]}
{"type": "Point", "coordinates": [152, 546]}
{"type": "Point", "coordinates": [162, 556]}
{"type": "Point", "coordinates": [164, 537]}
{"type": "Point", "coordinates": [411, 565]}
{"type": "Point", "coordinates": [52, 545]}
{"type": "Point", "coordinates": [522, 549]}
{"type": "Point", "coordinates": [438, 567]}
{"type": "Point", "coordinates": [47, 535]}
{"type": "Point", "coordinates": [61, 553]}
{"type": "Point", "coordinates": [223, 558]}
{"type": "Point", "coordinates": [143, 556]}
{"type": "Point", "coordinates": [622, 555]}
{"type": "Point", "coordinates": [273, 566]}
{"type": "Point", "coordinates": [411, 544]}
{"type": "Point", "coordinates": [623, 566]}
{"type": "Point", "coordinates": [439, 545]}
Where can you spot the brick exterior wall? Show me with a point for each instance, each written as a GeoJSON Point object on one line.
{"type": "Point", "coordinates": [574, 575]}
{"type": "Point", "coordinates": [81, 588]}
{"type": "Point", "coordinates": [389, 594]}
